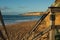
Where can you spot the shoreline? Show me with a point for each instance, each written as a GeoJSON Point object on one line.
{"type": "Point", "coordinates": [17, 22]}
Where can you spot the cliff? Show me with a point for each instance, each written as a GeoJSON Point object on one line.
{"type": "Point", "coordinates": [33, 13]}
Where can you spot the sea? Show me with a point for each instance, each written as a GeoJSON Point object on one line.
{"type": "Point", "coordinates": [11, 19]}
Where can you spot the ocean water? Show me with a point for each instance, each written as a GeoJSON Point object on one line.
{"type": "Point", "coordinates": [11, 19]}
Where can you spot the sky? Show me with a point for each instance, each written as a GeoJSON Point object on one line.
{"type": "Point", "coordinates": [15, 7]}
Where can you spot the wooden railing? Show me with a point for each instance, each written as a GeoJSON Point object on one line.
{"type": "Point", "coordinates": [31, 33]}
{"type": "Point", "coordinates": [2, 21]}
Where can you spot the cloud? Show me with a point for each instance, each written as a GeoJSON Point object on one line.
{"type": "Point", "coordinates": [4, 8]}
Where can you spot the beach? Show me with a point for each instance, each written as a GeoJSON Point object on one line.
{"type": "Point", "coordinates": [19, 28]}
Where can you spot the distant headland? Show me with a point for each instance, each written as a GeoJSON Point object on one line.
{"type": "Point", "coordinates": [33, 13]}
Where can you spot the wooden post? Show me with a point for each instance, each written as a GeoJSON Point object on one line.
{"type": "Point", "coordinates": [2, 21]}
{"type": "Point", "coordinates": [53, 10]}
{"type": "Point", "coordinates": [52, 32]}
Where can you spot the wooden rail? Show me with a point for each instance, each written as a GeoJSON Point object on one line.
{"type": "Point", "coordinates": [2, 21]}
{"type": "Point", "coordinates": [36, 25]}
{"type": "Point", "coordinates": [40, 34]}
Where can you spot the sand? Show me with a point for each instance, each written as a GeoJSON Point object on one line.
{"type": "Point", "coordinates": [19, 29]}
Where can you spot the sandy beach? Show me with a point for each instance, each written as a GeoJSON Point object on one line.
{"type": "Point", "coordinates": [19, 29]}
